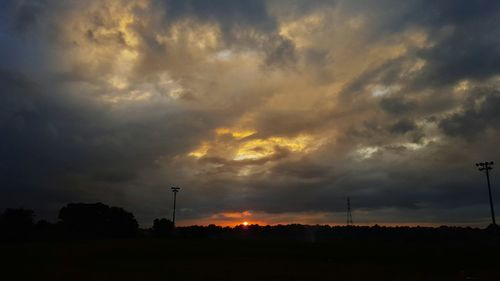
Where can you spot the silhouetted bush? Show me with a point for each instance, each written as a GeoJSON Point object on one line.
{"type": "Point", "coordinates": [16, 223]}
{"type": "Point", "coordinates": [97, 220]}
{"type": "Point", "coordinates": [162, 227]}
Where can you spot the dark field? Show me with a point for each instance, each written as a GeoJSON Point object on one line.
{"type": "Point", "coordinates": [247, 259]}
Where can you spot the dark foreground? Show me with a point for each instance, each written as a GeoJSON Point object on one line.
{"type": "Point", "coordinates": [251, 259]}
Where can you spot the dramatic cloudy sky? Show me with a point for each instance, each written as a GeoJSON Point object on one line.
{"type": "Point", "coordinates": [261, 111]}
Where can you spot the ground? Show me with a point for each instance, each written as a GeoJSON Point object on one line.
{"type": "Point", "coordinates": [247, 259]}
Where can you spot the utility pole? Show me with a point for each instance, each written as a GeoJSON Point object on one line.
{"type": "Point", "coordinates": [174, 190]}
{"type": "Point", "coordinates": [486, 166]}
{"type": "Point", "coordinates": [349, 213]}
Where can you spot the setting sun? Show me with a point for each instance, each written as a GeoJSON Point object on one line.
{"type": "Point", "coordinates": [245, 223]}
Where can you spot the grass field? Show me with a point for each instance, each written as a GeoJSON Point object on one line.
{"type": "Point", "coordinates": [191, 259]}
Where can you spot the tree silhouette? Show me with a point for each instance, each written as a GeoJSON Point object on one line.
{"type": "Point", "coordinates": [16, 223]}
{"type": "Point", "coordinates": [97, 220]}
{"type": "Point", "coordinates": [162, 227]}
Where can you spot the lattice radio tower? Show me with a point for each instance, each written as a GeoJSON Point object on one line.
{"type": "Point", "coordinates": [349, 213]}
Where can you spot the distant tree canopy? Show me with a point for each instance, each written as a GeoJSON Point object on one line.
{"type": "Point", "coordinates": [80, 220]}
{"type": "Point", "coordinates": [98, 220]}
{"type": "Point", "coordinates": [162, 227]}
{"type": "Point", "coordinates": [16, 222]}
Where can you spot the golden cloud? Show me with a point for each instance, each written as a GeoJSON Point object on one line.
{"type": "Point", "coordinates": [241, 147]}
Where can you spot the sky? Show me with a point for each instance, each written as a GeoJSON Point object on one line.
{"type": "Point", "coordinates": [271, 112]}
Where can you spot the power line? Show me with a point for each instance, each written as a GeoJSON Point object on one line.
{"type": "Point", "coordinates": [486, 167]}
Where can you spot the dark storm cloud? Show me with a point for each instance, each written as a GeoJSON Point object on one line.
{"type": "Point", "coordinates": [468, 43]}
{"type": "Point", "coordinates": [24, 15]}
{"type": "Point", "coordinates": [72, 147]}
{"type": "Point", "coordinates": [282, 52]}
{"type": "Point", "coordinates": [229, 13]}
{"type": "Point", "coordinates": [251, 18]}
{"type": "Point", "coordinates": [328, 190]}
{"type": "Point", "coordinates": [403, 126]}
{"type": "Point", "coordinates": [480, 113]}
{"type": "Point", "coordinates": [301, 169]}
{"type": "Point", "coordinates": [397, 105]}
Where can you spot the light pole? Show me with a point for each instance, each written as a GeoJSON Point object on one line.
{"type": "Point", "coordinates": [486, 166]}
{"type": "Point", "coordinates": [174, 190]}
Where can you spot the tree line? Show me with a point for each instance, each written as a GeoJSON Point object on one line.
{"type": "Point", "coordinates": [78, 220]}
{"type": "Point", "coordinates": [97, 220]}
